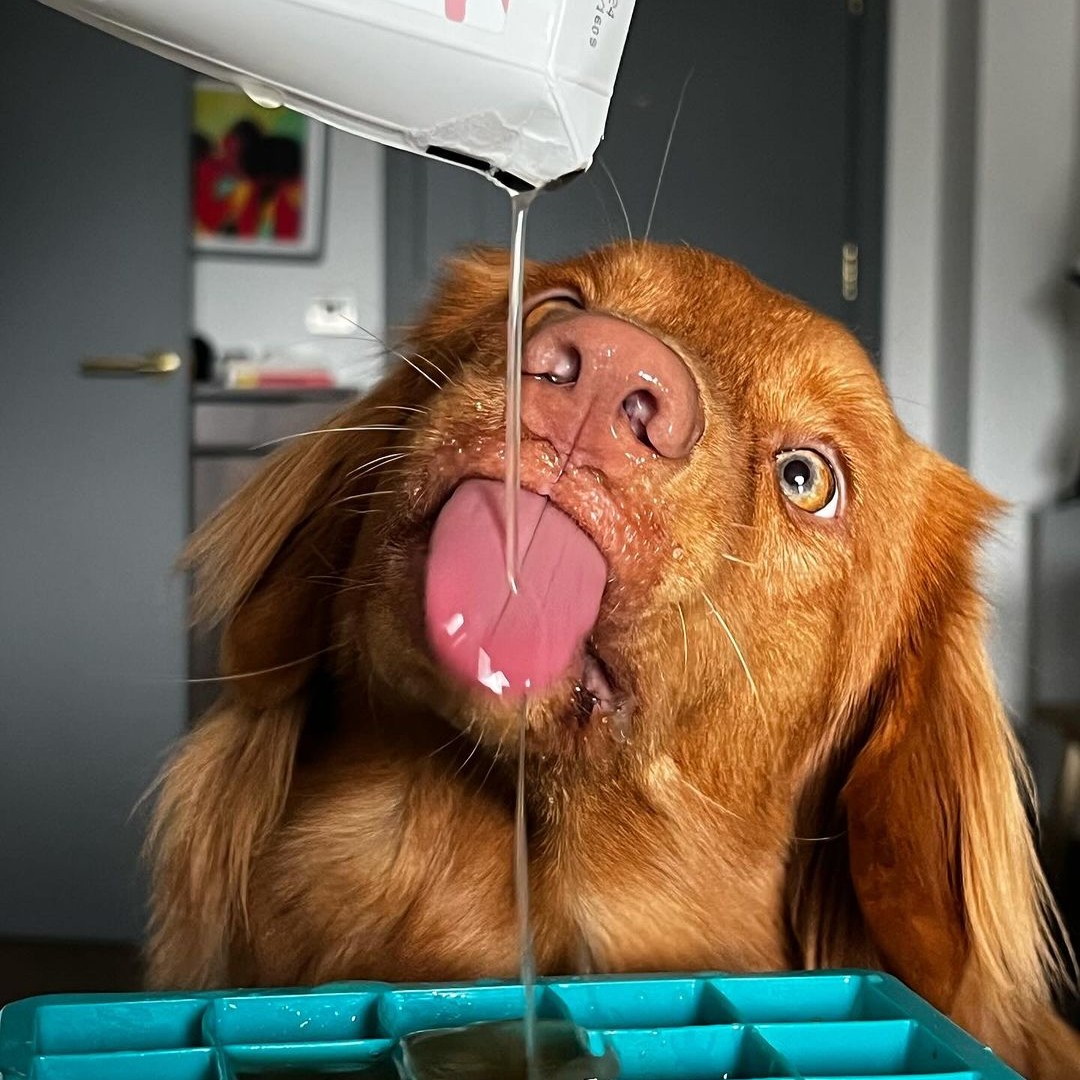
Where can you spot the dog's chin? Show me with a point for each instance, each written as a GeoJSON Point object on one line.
{"type": "Point", "coordinates": [584, 714]}
{"type": "Point", "coordinates": [588, 713]}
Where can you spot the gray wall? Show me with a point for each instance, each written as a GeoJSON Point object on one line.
{"type": "Point", "coordinates": [980, 329]}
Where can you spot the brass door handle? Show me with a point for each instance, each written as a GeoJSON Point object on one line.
{"type": "Point", "coordinates": [152, 363]}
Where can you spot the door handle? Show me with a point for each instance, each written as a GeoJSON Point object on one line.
{"type": "Point", "coordinates": [152, 363]}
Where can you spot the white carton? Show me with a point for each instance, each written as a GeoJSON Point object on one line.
{"type": "Point", "coordinates": [518, 89]}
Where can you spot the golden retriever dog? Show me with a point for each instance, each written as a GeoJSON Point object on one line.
{"type": "Point", "coordinates": [762, 731]}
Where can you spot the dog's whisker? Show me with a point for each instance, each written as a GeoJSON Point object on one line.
{"type": "Point", "coordinates": [403, 408]}
{"type": "Point", "coordinates": [363, 495]}
{"type": "Point", "coordinates": [419, 370]}
{"type": "Point", "coordinates": [708, 798]}
{"type": "Point", "coordinates": [449, 742]}
{"type": "Point", "coordinates": [394, 352]}
{"type": "Point", "coordinates": [373, 465]}
{"type": "Point", "coordinates": [262, 671]}
{"type": "Point", "coordinates": [444, 356]}
{"type": "Point", "coordinates": [457, 358]}
{"type": "Point", "coordinates": [494, 758]}
{"type": "Point", "coordinates": [603, 207]}
{"type": "Point", "coordinates": [622, 205]}
{"type": "Point", "coordinates": [736, 559]}
{"type": "Point", "coordinates": [734, 644]}
{"type": "Point", "coordinates": [331, 431]}
{"type": "Point", "coordinates": [385, 473]}
{"type": "Point", "coordinates": [367, 332]}
{"type": "Point", "coordinates": [461, 768]}
{"type": "Point", "coordinates": [460, 358]}
{"type": "Point", "coordinates": [378, 465]}
{"type": "Point", "coordinates": [819, 839]}
{"type": "Point", "coordinates": [332, 579]}
{"type": "Point", "coordinates": [436, 367]}
{"type": "Point", "coordinates": [358, 586]}
{"type": "Point", "coordinates": [667, 152]}
{"type": "Point", "coordinates": [685, 639]}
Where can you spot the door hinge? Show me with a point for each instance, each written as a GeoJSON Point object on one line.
{"type": "Point", "coordinates": [849, 271]}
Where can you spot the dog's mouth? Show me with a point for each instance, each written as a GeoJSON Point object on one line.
{"type": "Point", "coordinates": [598, 700]}
{"type": "Point", "coordinates": [528, 641]}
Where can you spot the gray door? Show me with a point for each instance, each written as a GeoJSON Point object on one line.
{"type": "Point", "coordinates": [776, 160]}
{"type": "Point", "coordinates": [93, 478]}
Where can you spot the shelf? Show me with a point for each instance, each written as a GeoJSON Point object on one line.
{"type": "Point", "coordinates": [268, 396]}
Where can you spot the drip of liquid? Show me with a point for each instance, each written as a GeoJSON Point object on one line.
{"type": "Point", "coordinates": [521, 886]}
{"type": "Point", "coordinates": [493, 1051]}
{"type": "Point", "coordinates": [515, 319]}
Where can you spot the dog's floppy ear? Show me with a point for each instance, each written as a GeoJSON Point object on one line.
{"type": "Point", "coordinates": [269, 562]}
{"type": "Point", "coordinates": [267, 567]}
{"type": "Point", "coordinates": [938, 880]}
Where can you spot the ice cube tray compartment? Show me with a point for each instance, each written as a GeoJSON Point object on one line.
{"type": "Point", "coordinates": [108, 1025]}
{"type": "Point", "coordinates": [191, 1064]}
{"type": "Point", "coordinates": [866, 1048]}
{"type": "Point", "coordinates": [690, 1053]}
{"type": "Point", "coordinates": [795, 1026]}
{"type": "Point", "coordinates": [294, 1018]}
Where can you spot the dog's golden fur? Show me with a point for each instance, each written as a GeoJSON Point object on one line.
{"type": "Point", "coordinates": [819, 773]}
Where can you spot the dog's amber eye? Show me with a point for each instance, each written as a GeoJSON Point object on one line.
{"type": "Point", "coordinates": [807, 481]}
{"type": "Point", "coordinates": [542, 307]}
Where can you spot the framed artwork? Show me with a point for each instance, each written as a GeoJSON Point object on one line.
{"type": "Point", "coordinates": [258, 176]}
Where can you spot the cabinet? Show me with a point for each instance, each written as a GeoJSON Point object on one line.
{"type": "Point", "coordinates": [233, 431]}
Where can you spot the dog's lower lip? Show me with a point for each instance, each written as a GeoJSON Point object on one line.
{"type": "Point", "coordinates": [600, 701]}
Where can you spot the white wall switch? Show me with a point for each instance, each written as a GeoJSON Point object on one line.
{"type": "Point", "coordinates": [333, 316]}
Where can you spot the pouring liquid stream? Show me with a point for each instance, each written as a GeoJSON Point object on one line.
{"type": "Point", "coordinates": [521, 889]}
{"type": "Point", "coordinates": [515, 318]}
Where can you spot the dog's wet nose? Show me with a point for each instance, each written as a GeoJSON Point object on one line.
{"type": "Point", "coordinates": [609, 391]}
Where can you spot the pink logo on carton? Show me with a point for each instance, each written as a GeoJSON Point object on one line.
{"type": "Point", "coordinates": [455, 9]}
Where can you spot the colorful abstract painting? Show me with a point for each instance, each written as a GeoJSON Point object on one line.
{"type": "Point", "coordinates": [257, 175]}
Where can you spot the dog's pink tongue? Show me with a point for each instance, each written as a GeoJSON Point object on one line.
{"type": "Point", "coordinates": [482, 632]}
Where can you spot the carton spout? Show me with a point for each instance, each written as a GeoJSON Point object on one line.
{"type": "Point", "coordinates": [503, 179]}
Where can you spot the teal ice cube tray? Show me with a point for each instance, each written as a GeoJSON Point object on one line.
{"type": "Point", "coordinates": [847, 1025]}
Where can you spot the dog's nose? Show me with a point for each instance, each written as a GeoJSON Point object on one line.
{"type": "Point", "coordinates": [608, 392]}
